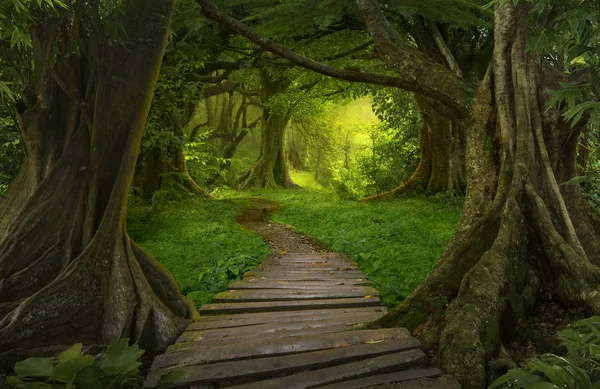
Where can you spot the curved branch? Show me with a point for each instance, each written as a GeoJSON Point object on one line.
{"type": "Point", "coordinates": [437, 82]}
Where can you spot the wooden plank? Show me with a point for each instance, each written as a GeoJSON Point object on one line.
{"type": "Point", "coordinates": [306, 277]}
{"type": "Point", "coordinates": [383, 379]}
{"type": "Point", "coordinates": [271, 306]}
{"type": "Point", "coordinates": [248, 319]}
{"type": "Point", "coordinates": [284, 325]}
{"type": "Point", "coordinates": [300, 269]}
{"type": "Point", "coordinates": [274, 330]}
{"type": "Point", "coordinates": [306, 285]}
{"type": "Point", "coordinates": [254, 369]}
{"type": "Point", "coordinates": [208, 339]}
{"type": "Point", "coordinates": [314, 378]}
{"type": "Point", "coordinates": [249, 295]}
{"type": "Point", "coordinates": [197, 353]}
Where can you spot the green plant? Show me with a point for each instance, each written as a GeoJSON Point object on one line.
{"type": "Point", "coordinates": [395, 242]}
{"type": "Point", "coordinates": [117, 368]}
{"type": "Point", "coordinates": [199, 243]}
{"type": "Point", "coordinates": [578, 369]}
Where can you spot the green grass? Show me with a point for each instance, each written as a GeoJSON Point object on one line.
{"type": "Point", "coordinates": [395, 242]}
{"type": "Point", "coordinates": [199, 243]}
{"type": "Point", "coordinates": [305, 180]}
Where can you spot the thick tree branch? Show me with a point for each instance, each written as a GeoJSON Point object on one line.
{"type": "Point", "coordinates": [415, 69]}
{"type": "Point", "coordinates": [441, 44]}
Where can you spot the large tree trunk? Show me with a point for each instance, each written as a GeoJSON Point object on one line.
{"type": "Point", "coordinates": [442, 156]}
{"type": "Point", "coordinates": [521, 235]}
{"type": "Point", "coordinates": [69, 272]}
{"type": "Point", "coordinates": [270, 171]}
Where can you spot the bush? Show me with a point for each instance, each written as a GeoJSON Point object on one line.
{"type": "Point", "coordinates": [117, 368]}
{"type": "Point", "coordinates": [578, 369]}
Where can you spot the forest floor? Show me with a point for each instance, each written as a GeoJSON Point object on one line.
{"type": "Point", "coordinates": [280, 238]}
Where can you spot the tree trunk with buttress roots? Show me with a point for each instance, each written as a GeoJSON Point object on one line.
{"type": "Point", "coordinates": [521, 233]}
{"type": "Point", "coordinates": [69, 272]}
{"type": "Point", "coordinates": [163, 169]}
{"type": "Point", "coordinates": [442, 156]}
{"type": "Point", "coordinates": [270, 170]}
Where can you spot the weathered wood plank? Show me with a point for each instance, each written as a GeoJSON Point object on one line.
{"type": "Point", "coordinates": [389, 378]}
{"type": "Point", "coordinates": [307, 277]}
{"type": "Point", "coordinates": [254, 369]}
{"type": "Point", "coordinates": [271, 306]}
{"type": "Point", "coordinates": [197, 353]}
{"type": "Point", "coordinates": [207, 338]}
{"type": "Point", "coordinates": [307, 285]}
{"type": "Point", "coordinates": [275, 328]}
{"type": "Point", "coordinates": [249, 295]}
{"type": "Point", "coordinates": [249, 319]}
{"type": "Point", "coordinates": [313, 378]}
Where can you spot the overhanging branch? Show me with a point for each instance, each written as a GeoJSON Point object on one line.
{"type": "Point", "coordinates": [455, 94]}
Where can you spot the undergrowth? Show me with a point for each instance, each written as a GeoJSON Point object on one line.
{"type": "Point", "coordinates": [395, 242]}
{"type": "Point", "coordinates": [199, 242]}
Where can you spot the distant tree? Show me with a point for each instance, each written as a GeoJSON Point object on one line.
{"type": "Point", "coordinates": [69, 271]}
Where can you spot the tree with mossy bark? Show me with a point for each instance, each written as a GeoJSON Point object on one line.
{"type": "Point", "coordinates": [522, 235]}
{"type": "Point", "coordinates": [270, 170]}
{"type": "Point", "coordinates": [69, 272]}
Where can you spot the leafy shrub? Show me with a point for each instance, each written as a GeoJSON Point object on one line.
{"type": "Point", "coordinates": [11, 151]}
{"type": "Point", "coordinates": [117, 368]}
{"type": "Point", "coordinates": [578, 369]}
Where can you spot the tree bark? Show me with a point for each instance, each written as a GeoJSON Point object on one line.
{"type": "Point", "coordinates": [270, 170]}
{"type": "Point", "coordinates": [521, 235]}
{"type": "Point", "coordinates": [69, 272]}
{"type": "Point", "coordinates": [442, 156]}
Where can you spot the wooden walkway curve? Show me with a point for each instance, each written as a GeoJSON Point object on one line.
{"type": "Point", "coordinates": [291, 323]}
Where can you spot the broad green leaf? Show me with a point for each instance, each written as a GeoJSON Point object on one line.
{"type": "Point", "coordinates": [121, 358]}
{"type": "Point", "coordinates": [13, 380]}
{"type": "Point", "coordinates": [92, 377]}
{"type": "Point", "coordinates": [71, 353]}
{"type": "Point", "coordinates": [576, 180]}
{"type": "Point", "coordinates": [34, 367]}
{"type": "Point", "coordinates": [170, 378]}
{"type": "Point", "coordinates": [66, 371]}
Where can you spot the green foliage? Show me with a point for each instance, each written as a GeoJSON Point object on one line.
{"type": "Point", "coordinates": [117, 368]}
{"type": "Point", "coordinates": [396, 243]}
{"type": "Point", "coordinates": [11, 151]}
{"type": "Point", "coordinates": [199, 243]}
{"type": "Point", "coordinates": [579, 368]}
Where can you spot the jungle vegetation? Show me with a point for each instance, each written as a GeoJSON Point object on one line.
{"type": "Point", "coordinates": [467, 126]}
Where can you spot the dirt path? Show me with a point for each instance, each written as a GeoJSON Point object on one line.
{"type": "Point", "coordinates": [278, 236]}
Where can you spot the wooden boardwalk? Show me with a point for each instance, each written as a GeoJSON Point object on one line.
{"type": "Point", "coordinates": [291, 323]}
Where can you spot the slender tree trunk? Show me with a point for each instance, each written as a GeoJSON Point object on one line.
{"type": "Point", "coordinates": [442, 156]}
{"type": "Point", "coordinates": [69, 272]}
{"type": "Point", "coordinates": [521, 235]}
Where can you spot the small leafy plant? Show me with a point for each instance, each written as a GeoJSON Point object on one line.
{"type": "Point", "coordinates": [75, 370]}
{"type": "Point", "coordinates": [578, 369]}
